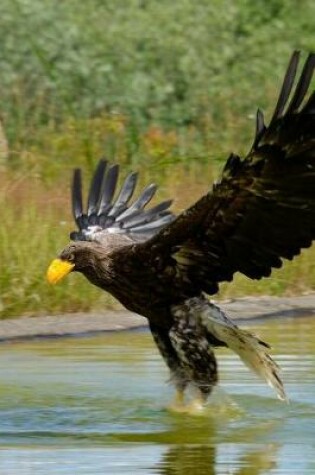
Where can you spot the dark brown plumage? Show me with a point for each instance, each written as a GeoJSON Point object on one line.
{"type": "Point", "coordinates": [261, 212]}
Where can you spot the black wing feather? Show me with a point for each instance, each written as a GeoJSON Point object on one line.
{"type": "Point", "coordinates": [286, 86]}
{"type": "Point", "coordinates": [125, 194]}
{"type": "Point", "coordinates": [76, 190]}
{"type": "Point", "coordinates": [152, 225]}
{"type": "Point", "coordinates": [146, 216]}
{"type": "Point", "coordinates": [108, 189]}
{"type": "Point", "coordinates": [309, 107]}
{"type": "Point", "coordinates": [260, 127]}
{"type": "Point", "coordinates": [303, 84]}
{"type": "Point", "coordinates": [137, 207]}
{"type": "Point", "coordinates": [104, 212]}
{"type": "Point", "coordinates": [262, 210]}
{"type": "Point", "coordinates": [95, 188]}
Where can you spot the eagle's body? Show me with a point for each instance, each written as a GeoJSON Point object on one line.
{"type": "Point", "coordinates": [161, 266]}
{"type": "Point", "coordinates": [135, 283]}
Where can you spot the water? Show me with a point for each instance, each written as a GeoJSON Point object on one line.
{"type": "Point", "coordinates": [97, 406]}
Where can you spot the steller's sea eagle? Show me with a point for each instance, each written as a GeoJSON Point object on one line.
{"type": "Point", "coordinates": [161, 266]}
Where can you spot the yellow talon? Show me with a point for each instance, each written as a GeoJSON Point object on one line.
{"type": "Point", "coordinates": [179, 402]}
{"type": "Point", "coordinates": [195, 407]}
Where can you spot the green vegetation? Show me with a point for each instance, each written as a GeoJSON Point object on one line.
{"type": "Point", "coordinates": [179, 64]}
{"type": "Point", "coordinates": [166, 87]}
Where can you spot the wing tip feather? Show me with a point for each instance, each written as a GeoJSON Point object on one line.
{"type": "Point", "coordinates": [102, 211]}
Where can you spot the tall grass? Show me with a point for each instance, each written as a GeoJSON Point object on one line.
{"type": "Point", "coordinates": [174, 64]}
{"type": "Point", "coordinates": [35, 226]}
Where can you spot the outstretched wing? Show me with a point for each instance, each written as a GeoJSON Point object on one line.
{"type": "Point", "coordinates": [262, 210]}
{"type": "Point", "coordinates": [106, 214]}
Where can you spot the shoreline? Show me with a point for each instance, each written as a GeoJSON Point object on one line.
{"type": "Point", "coordinates": [245, 309]}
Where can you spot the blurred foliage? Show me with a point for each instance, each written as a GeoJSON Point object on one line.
{"type": "Point", "coordinates": [34, 228]}
{"type": "Point", "coordinates": [174, 64]}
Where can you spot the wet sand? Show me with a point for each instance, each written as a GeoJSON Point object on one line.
{"type": "Point", "coordinates": [76, 324]}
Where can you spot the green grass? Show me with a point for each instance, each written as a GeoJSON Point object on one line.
{"type": "Point", "coordinates": [175, 64]}
{"type": "Point", "coordinates": [33, 230]}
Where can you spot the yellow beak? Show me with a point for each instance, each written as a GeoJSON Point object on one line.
{"type": "Point", "coordinates": [58, 269]}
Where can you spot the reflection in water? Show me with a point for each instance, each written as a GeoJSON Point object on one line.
{"type": "Point", "coordinates": [211, 459]}
{"type": "Point", "coordinates": [96, 406]}
{"type": "Point", "coordinates": [195, 460]}
{"type": "Point", "coordinates": [202, 460]}
{"type": "Point", "coordinates": [258, 461]}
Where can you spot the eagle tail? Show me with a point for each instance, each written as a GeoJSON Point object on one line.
{"type": "Point", "coordinates": [254, 354]}
{"type": "Point", "coordinates": [252, 351]}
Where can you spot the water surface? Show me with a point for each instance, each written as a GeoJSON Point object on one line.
{"type": "Point", "coordinates": [97, 405]}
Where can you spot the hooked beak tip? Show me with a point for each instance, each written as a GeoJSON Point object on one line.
{"type": "Point", "coordinates": [58, 269]}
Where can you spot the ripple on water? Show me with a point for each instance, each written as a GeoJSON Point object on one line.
{"type": "Point", "coordinates": [98, 405]}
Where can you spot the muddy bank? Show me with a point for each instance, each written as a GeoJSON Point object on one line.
{"type": "Point", "coordinates": [243, 309]}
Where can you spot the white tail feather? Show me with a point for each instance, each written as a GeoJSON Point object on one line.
{"type": "Point", "coordinates": [250, 349]}
{"type": "Point", "coordinates": [254, 355]}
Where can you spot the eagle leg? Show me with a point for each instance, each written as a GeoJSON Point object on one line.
{"type": "Point", "coordinates": [190, 358]}
{"type": "Point", "coordinates": [178, 378]}
{"type": "Point", "coordinates": [195, 354]}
